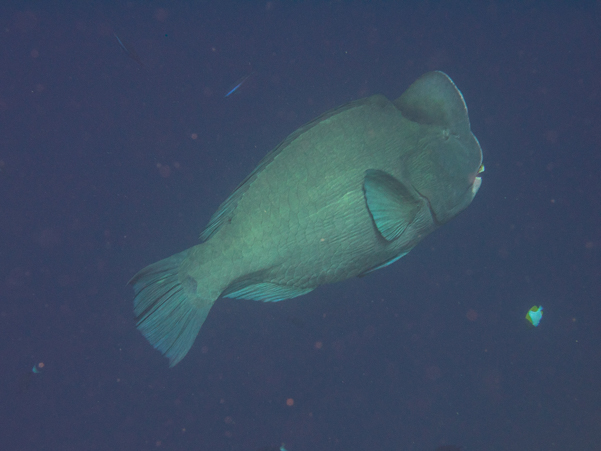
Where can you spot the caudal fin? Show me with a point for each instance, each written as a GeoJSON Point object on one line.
{"type": "Point", "coordinates": [169, 314]}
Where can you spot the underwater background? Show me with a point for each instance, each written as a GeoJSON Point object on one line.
{"type": "Point", "coordinates": [118, 142]}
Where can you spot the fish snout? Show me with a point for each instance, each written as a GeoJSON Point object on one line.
{"type": "Point", "coordinates": [477, 180]}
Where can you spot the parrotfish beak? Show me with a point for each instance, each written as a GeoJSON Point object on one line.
{"type": "Point", "coordinates": [477, 181]}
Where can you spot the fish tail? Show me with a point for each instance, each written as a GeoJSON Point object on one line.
{"type": "Point", "coordinates": [169, 313]}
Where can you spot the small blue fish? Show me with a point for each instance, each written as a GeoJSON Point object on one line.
{"type": "Point", "coordinates": [121, 43]}
{"type": "Point", "coordinates": [130, 51]}
{"type": "Point", "coordinates": [239, 84]}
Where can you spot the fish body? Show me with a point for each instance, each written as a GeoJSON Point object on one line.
{"type": "Point", "coordinates": [129, 51]}
{"type": "Point", "coordinates": [242, 80]}
{"type": "Point", "coordinates": [350, 192]}
{"type": "Point", "coordinates": [534, 315]}
{"type": "Point", "coordinates": [121, 43]}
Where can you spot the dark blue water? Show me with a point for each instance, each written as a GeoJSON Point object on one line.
{"type": "Point", "coordinates": [111, 160]}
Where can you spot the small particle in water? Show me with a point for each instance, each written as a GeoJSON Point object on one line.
{"type": "Point", "coordinates": [472, 315]}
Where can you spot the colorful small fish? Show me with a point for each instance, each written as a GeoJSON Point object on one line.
{"type": "Point", "coordinates": [130, 51]}
{"type": "Point", "coordinates": [242, 80]}
{"type": "Point", "coordinates": [534, 315]}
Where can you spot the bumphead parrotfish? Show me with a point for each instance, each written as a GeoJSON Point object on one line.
{"type": "Point", "coordinates": [348, 193]}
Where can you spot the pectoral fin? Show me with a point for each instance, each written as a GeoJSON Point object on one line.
{"type": "Point", "coordinates": [390, 203]}
{"type": "Point", "coordinates": [383, 265]}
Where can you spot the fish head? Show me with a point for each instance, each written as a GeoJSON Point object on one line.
{"type": "Point", "coordinates": [445, 160]}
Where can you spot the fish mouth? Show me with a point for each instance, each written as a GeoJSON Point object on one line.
{"type": "Point", "coordinates": [477, 180]}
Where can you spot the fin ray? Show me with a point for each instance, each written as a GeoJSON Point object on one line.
{"type": "Point", "coordinates": [383, 265]}
{"type": "Point", "coordinates": [264, 291]}
{"type": "Point", "coordinates": [390, 203]}
{"type": "Point", "coordinates": [168, 315]}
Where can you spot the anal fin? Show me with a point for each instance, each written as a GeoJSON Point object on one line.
{"type": "Point", "coordinates": [264, 291]}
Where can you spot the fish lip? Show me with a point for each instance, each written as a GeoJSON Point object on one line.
{"type": "Point", "coordinates": [477, 180]}
{"type": "Point", "coordinates": [476, 185]}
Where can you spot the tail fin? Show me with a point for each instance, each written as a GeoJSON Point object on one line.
{"type": "Point", "coordinates": [169, 314]}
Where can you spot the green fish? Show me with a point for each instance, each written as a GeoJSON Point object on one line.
{"type": "Point", "coordinates": [348, 193]}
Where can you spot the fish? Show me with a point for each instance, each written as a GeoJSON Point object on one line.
{"type": "Point", "coordinates": [240, 82]}
{"type": "Point", "coordinates": [130, 51]}
{"type": "Point", "coordinates": [534, 315]}
{"type": "Point", "coordinates": [348, 193]}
